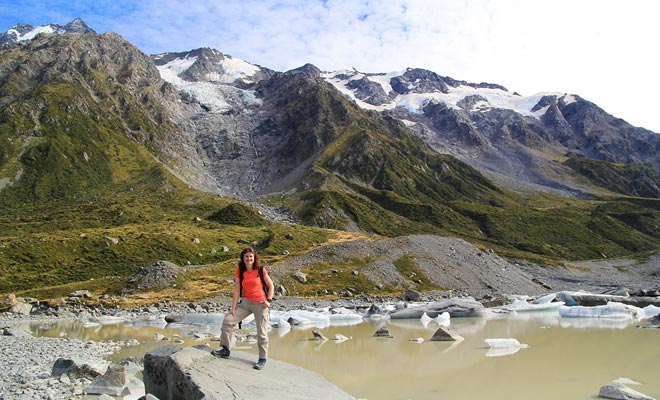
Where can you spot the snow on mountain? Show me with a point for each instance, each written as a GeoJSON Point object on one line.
{"type": "Point", "coordinates": [415, 101]}
{"type": "Point", "coordinates": [21, 37]}
{"type": "Point", "coordinates": [26, 32]}
{"type": "Point", "coordinates": [215, 94]}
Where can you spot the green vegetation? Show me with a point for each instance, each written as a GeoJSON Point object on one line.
{"type": "Point", "coordinates": [238, 214]}
{"type": "Point", "coordinates": [409, 270]}
{"type": "Point", "coordinates": [632, 180]}
{"type": "Point", "coordinates": [85, 198]}
{"type": "Point", "coordinates": [332, 278]}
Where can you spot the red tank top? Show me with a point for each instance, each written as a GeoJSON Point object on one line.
{"type": "Point", "coordinates": [252, 287]}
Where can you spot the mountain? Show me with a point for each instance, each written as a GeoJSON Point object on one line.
{"type": "Point", "coordinates": [25, 32]}
{"type": "Point", "coordinates": [519, 141]}
{"type": "Point", "coordinates": [110, 158]}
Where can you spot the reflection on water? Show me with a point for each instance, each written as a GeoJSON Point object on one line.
{"type": "Point", "coordinates": [566, 358]}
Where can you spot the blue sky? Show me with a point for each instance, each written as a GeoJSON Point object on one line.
{"type": "Point", "coordinates": [602, 50]}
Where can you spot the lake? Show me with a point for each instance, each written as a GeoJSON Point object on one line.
{"type": "Point", "coordinates": [567, 358]}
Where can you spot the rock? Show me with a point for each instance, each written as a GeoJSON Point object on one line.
{"type": "Point", "coordinates": [293, 322]}
{"type": "Point", "coordinates": [445, 335]}
{"type": "Point", "coordinates": [622, 392]}
{"type": "Point", "coordinates": [171, 373]}
{"type": "Point", "coordinates": [196, 240]}
{"type": "Point", "coordinates": [112, 382]}
{"type": "Point", "coordinates": [225, 249]}
{"type": "Point", "coordinates": [417, 340]}
{"type": "Point", "coordinates": [171, 318]}
{"type": "Point", "coordinates": [655, 321]}
{"type": "Point", "coordinates": [81, 293]}
{"type": "Point", "coordinates": [21, 308]}
{"type": "Point", "coordinates": [374, 310]}
{"type": "Point", "coordinates": [383, 331]}
{"type": "Point", "coordinates": [157, 275]}
{"type": "Point", "coordinates": [9, 300]}
{"type": "Point", "coordinates": [620, 291]}
{"type": "Point", "coordinates": [111, 239]}
{"type": "Point", "coordinates": [7, 331]}
{"type": "Point", "coordinates": [456, 307]}
{"type": "Point", "coordinates": [299, 276]}
{"type": "Point", "coordinates": [412, 295]}
{"type": "Point", "coordinates": [318, 335]}
{"type": "Point", "coordinates": [78, 368]}
{"type": "Point", "coordinates": [281, 290]}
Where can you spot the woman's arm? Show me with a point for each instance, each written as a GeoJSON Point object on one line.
{"type": "Point", "coordinates": [271, 289]}
{"type": "Point", "coordinates": [234, 298]}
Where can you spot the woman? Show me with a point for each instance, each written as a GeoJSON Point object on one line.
{"type": "Point", "coordinates": [253, 294]}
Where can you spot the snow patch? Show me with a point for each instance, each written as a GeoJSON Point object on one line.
{"type": "Point", "coordinates": [32, 34]}
{"type": "Point", "coordinates": [415, 102]}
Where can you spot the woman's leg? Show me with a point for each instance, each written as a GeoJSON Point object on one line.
{"type": "Point", "coordinates": [261, 317]}
{"type": "Point", "coordinates": [230, 321]}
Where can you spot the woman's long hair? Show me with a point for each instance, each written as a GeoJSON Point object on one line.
{"type": "Point", "coordinates": [241, 263]}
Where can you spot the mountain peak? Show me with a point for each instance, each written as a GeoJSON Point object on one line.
{"type": "Point", "coordinates": [27, 32]}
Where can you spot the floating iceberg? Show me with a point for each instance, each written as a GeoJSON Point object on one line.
{"type": "Point", "coordinates": [543, 303]}
{"type": "Point", "coordinates": [442, 319]}
{"type": "Point", "coordinates": [503, 347]}
{"type": "Point", "coordinates": [500, 343]}
{"type": "Point", "coordinates": [651, 311]}
{"type": "Point", "coordinates": [611, 310]}
{"type": "Point", "coordinates": [108, 320]}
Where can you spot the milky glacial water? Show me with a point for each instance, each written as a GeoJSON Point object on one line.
{"type": "Point", "coordinates": [567, 358]}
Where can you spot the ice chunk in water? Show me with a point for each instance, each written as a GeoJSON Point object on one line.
{"type": "Point", "coordinates": [500, 343]}
{"type": "Point", "coordinates": [613, 310]}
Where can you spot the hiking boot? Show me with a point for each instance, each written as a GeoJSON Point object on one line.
{"type": "Point", "coordinates": [260, 364]}
{"type": "Point", "coordinates": [221, 352]}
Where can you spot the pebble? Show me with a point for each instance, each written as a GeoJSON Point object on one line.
{"type": "Point", "coordinates": [26, 363]}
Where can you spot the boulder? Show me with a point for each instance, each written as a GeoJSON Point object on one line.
{"type": "Point", "coordinates": [621, 392]}
{"type": "Point", "coordinates": [81, 293]}
{"type": "Point", "coordinates": [456, 307]}
{"type": "Point", "coordinates": [112, 382]}
{"type": "Point", "coordinates": [383, 332]}
{"type": "Point", "coordinates": [317, 335]}
{"type": "Point", "coordinates": [413, 295]}
{"type": "Point", "coordinates": [78, 368]}
{"type": "Point", "coordinates": [173, 373]}
{"type": "Point", "coordinates": [299, 276]}
{"type": "Point", "coordinates": [445, 335]}
{"type": "Point", "coordinates": [21, 308]}
{"type": "Point", "coordinates": [9, 300]}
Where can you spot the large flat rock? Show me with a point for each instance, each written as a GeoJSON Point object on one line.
{"type": "Point", "coordinates": [173, 373]}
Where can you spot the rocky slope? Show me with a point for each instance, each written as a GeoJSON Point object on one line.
{"type": "Point", "coordinates": [519, 141]}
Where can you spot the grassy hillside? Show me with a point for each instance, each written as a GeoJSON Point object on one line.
{"type": "Point", "coordinates": [633, 180]}
{"type": "Point", "coordinates": [84, 196]}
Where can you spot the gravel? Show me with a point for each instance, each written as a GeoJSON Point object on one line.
{"type": "Point", "coordinates": [26, 363]}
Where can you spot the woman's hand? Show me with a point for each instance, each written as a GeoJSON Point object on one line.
{"type": "Point", "coordinates": [230, 312]}
{"type": "Point", "coordinates": [266, 304]}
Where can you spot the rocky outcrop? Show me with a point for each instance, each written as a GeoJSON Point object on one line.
{"type": "Point", "coordinates": [173, 373]}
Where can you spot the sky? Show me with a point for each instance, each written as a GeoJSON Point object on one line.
{"type": "Point", "coordinates": [602, 50]}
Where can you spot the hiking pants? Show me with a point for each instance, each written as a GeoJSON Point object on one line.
{"type": "Point", "coordinates": [244, 308]}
